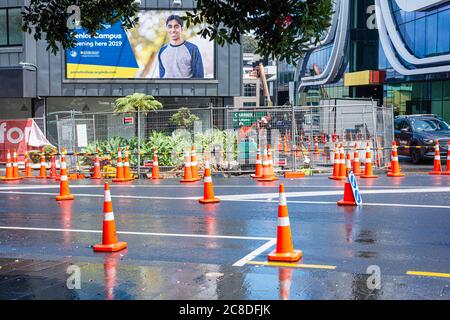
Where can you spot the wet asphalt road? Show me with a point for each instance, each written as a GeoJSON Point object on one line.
{"type": "Point", "coordinates": [179, 249]}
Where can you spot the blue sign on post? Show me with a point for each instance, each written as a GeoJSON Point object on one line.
{"type": "Point", "coordinates": [355, 189]}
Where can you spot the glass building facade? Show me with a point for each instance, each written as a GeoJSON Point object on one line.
{"type": "Point", "coordinates": [417, 80]}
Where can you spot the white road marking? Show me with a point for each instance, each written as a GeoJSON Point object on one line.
{"type": "Point", "coordinates": [255, 253]}
{"type": "Point", "coordinates": [141, 233]}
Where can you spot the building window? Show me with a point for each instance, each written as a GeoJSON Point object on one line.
{"type": "Point", "coordinates": [250, 90]}
{"type": "Point", "coordinates": [11, 27]}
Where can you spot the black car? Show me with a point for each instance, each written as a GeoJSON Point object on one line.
{"type": "Point", "coordinates": [423, 131]}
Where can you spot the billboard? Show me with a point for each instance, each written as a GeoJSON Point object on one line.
{"type": "Point", "coordinates": [159, 47]}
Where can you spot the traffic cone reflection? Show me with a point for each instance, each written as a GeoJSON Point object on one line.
{"type": "Point", "coordinates": [110, 243]}
{"type": "Point", "coordinates": [284, 250]}
{"type": "Point", "coordinates": [437, 168]}
{"type": "Point", "coordinates": [284, 277]}
{"type": "Point", "coordinates": [64, 191]}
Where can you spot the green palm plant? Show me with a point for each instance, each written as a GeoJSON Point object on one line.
{"type": "Point", "coordinates": [137, 102]}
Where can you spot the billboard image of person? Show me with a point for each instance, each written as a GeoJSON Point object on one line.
{"type": "Point", "coordinates": [180, 59]}
{"type": "Point", "coordinates": [160, 46]}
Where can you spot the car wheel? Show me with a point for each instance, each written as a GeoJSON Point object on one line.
{"type": "Point", "coordinates": [416, 157]}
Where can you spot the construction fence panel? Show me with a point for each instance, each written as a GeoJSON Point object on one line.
{"type": "Point", "coordinates": [300, 137]}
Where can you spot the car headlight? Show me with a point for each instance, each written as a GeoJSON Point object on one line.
{"type": "Point", "coordinates": [428, 141]}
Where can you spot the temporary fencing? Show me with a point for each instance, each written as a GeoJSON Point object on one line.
{"type": "Point", "coordinates": [300, 137]}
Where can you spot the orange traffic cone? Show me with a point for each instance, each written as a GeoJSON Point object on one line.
{"type": "Point", "coordinates": [336, 164]}
{"type": "Point", "coordinates": [119, 170]}
{"type": "Point", "coordinates": [368, 172]}
{"type": "Point", "coordinates": [97, 170]}
{"type": "Point", "coordinates": [16, 167]}
{"type": "Point", "coordinates": [343, 166]}
{"type": "Point", "coordinates": [258, 169]}
{"type": "Point", "coordinates": [187, 168]}
{"type": "Point", "coordinates": [43, 170]}
{"type": "Point", "coordinates": [155, 167]}
{"type": "Point", "coordinates": [395, 165]}
{"type": "Point", "coordinates": [28, 173]}
{"type": "Point", "coordinates": [349, 198]}
{"type": "Point", "coordinates": [109, 239]}
{"type": "Point", "coordinates": [437, 168]}
{"type": "Point", "coordinates": [9, 169]}
{"type": "Point", "coordinates": [271, 164]}
{"type": "Point", "coordinates": [64, 191]}
{"type": "Point", "coordinates": [126, 166]}
{"type": "Point", "coordinates": [267, 169]}
{"type": "Point", "coordinates": [356, 162]}
{"type": "Point", "coordinates": [284, 250]}
{"type": "Point", "coordinates": [447, 172]}
{"type": "Point", "coordinates": [53, 167]}
{"type": "Point", "coordinates": [194, 164]}
{"type": "Point", "coordinates": [208, 193]}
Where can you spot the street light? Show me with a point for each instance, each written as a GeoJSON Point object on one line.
{"type": "Point", "coordinates": [29, 64]}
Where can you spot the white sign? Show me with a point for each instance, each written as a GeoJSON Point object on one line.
{"type": "Point", "coordinates": [355, 189]}
{"type": "Point", "coordinates": [82, 135]}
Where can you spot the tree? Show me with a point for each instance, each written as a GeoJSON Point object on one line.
{"type": "Point", "coordinates": [137, 102]}
{"type": "Point", "coordinates": [184, 119]}
{"type": "Point", "coordinates": [51, 17]}
{"type": "Point", "coordinates": [282, 29]}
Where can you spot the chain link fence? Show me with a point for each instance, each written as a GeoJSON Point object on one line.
{"type": "Point", "coordinates": [301, 137]}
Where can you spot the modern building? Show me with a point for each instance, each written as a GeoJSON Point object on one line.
{"type": "Point", "coordinates": [37, 83]}
{"type": "Point", "coordinates": [394, 51]}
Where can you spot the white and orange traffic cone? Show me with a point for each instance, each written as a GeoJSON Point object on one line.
{"type": "Point", "coordinates": [16, 173]}
{"type": "Point", "coordinates": [356, 162]}
{"type": "Point", "coordinates": [368, 171]}
{"type": "Point", "coordinates": [258, 168]}
{"type": "Point", "coordinates": [28, 173]}
{"type": "Point", "coordinates": [349, 198]}
{"type": "Point", "coordinates": [53, 174]}
{"type": "Point", "coordinates": [284, 250]}
{"type": "Point", "coordinates": [267, 175]}
{"type": "Point", "coordinates": [110, 243]}
{"type": "Point", "coordinates": [64, 191]}
{"type": "Point", "coordinates": [155, 168]}
{"type": "Point", "coordinates": [119, 169]}
{"type": "Point", "coordinates": [194, 164]}
{"type": "Point", "coordinates": [395, 164]}
{"type": "Point", "coordinates": [271, 164]}
{"type": "Point", "coordinates": [9, 169]}
{"type": "Point", "coordinates": [43, 169]}
{"type": "Point", "coordinates": [447, 172]}
{"type": "Point", "coordinates": [336, 164]}
{"type": "Point", "coordinates": [126, 166]}
{"type": "Point", "coordinates": [437, 168]}
{"type": "Point", "coordinates": [187, 168]}
{"type": "Point", "coordinates": [208, 192]}
{"type": "Point", "coordinates": [97, 169]}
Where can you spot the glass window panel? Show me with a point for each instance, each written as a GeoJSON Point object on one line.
{"type": "Point", "coordinates": [419, 42]}
{"type": "Point", "coordinates": [446, 89]}
{"type": "Point", "coordinates": [409, 35]}
{"type": "Point", "coordinates": [446, 110]}
{"type": "Point", "coordinates": [436, 108]}
{"type": "Point", "coordinates": [431, 39]}
{"type": "Point", "coordinates": [15, 25]}
{"type": "Point", "coordinates": [436, 90]}
{"type": "Point", "coordinates": [3, 29]}
{"type": "Point", "coordinates": [443, 40]}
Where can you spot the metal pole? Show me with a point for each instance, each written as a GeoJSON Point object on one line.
{"type": "Point", "coordinates": [139, 144]}
{"type": "Point", "coordinates": [294, 154]}
{"type": "Point", "coordinates": [311, 135]}
{"type": "Point", "coordinates": [58, 134]}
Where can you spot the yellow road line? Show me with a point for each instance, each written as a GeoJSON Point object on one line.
{"type": "Point", "coordinates": [291, 265]}
{"type": "Point", "coordinates": [428, 274]}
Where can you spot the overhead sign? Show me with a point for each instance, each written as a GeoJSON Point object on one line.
{"type": "Point", "coordinates": [355, 189]}
{"type": "Point", "coordinates": [246, 118]}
